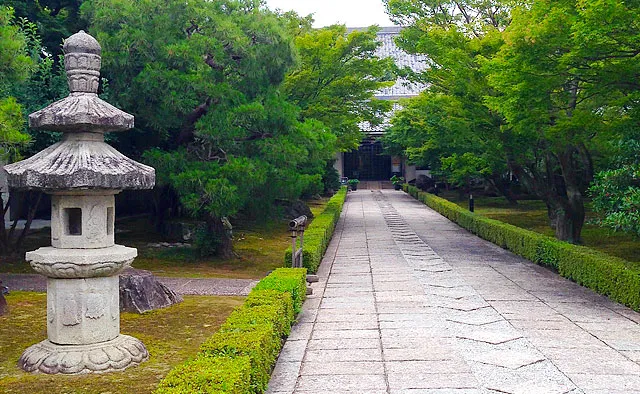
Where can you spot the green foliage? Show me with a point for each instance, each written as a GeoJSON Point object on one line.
{"type": "Point", "coordinates": [605, 274]}
{"type": "Point", "coordinates": [253, 340]}
{"type": "Point", "coordinates": [203, 81]}
{"type": "Point", "coordinates": [55, 19]}
{"type": "Point", "coordinates": [283, 300]}
{"type": "Point", "coordinates": [207, 374]}
{"type": "Point", "coordinates": [461, 169]}
{"type": "Point", "coordinates": [15, 62]}
{"type": "Point", "coordinates": [616, 191]}
{"type": "Point", "coordinates": [11, 125]}
{"type": "Point", "coordinates": [318, 234]}
{"type": "Point", "coordinates": [616, 196]}
{"type": "Point", "coordinates": [447, 128]}
{"type": "Point", "coordinates": [534, 89]}
{"type": "Point", "coordinates": [15, 67]}
{"type": "Point", "coordinates": [289, 280]}
{"type": "Point", "coordinates": [336, 79]}
{"type": "Point", "coordinates": [240, 356]}
{"type": "Point", "coordinates": [330, 177]}
{"type": "Point", "coordinates": [397, 180]}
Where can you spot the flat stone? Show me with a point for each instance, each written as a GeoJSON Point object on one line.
{"type": "Point", "coordinates": [300, 331]}
{"type": "Point", "coordinates": [293, 351]}
{"type": "Point", "coordinates": [490, 336]}
{"type": "Point", "coordinates": [284, 377]}
{"type": "Point", "coordinates": [341, 383]}
{"type": "Point", "coordinates": [447, 366]}
{"type": "Point", "coordinates": [591, 361]}
{"type": "Point", "coordinates": [591, 382]}
{"type": "Point", "coordinates": [140, 292]}
{"type": "Point", "coordinates": [346, 343]}
{"type": "Point", "coordinates": [342, 368]}
{"type": "Point", "coordinates": [419, 380]}
{"type": "Point", "coordinates": [337, 334]}
{"type": "Point", "coordinates": [333, 355]}
{"type": "Point", "coordinates": [511, 359]}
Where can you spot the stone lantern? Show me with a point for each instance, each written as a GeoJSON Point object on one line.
{"type": "Point", "coordinates": [82, 174]}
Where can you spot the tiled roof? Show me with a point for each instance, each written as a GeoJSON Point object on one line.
{"type": "Point", "coordinates": [417, 63]}
{"type": "Point", "coordinates": [402, 87]}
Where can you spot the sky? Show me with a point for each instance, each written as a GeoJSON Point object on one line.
{"type": "Point", "coordinates": [353, 13]}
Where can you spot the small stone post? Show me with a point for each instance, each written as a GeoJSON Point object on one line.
{"type": "Point", "coordinates": [83, 174]}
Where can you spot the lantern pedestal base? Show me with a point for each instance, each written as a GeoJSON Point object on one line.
{"type": "Point", "coordinates": [114, 355]}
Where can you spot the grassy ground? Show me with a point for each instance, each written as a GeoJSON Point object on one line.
{"type": "Point", "coordinates": [171, 335]}
{"type": "Point", "coordinates": [532, 215]}
{"type": "Point", "coordinates": [259, 249]}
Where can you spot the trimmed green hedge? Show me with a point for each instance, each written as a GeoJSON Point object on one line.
{"type": "Point", "coordinates": [289, 280]}
{"type": "Point", "coordinates": [240, 356]}
{"type": "Point", "coordinates": [209, 375]}
{"type": "Point", "coordinates": [601, 272]}
{"type": "Point", "coordinates": [318, 235]}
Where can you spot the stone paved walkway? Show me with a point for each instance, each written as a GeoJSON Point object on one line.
{"type": "Point", "coordinates": [182, 286]}
{"type": "Point", "coordinates": [409, 302]}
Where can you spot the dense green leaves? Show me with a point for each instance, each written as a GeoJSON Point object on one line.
{"type": "Point", "coordinates": [537, 88]}
{"type": "Point", "coordinates": [336, 79]}
{"type": "Point", "coordinates": [16, 66]}
{"type": "Point", "coordinates": [204, 82]}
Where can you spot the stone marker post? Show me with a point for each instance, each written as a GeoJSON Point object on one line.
{"type": "Point", "coordinates": [82, 173]}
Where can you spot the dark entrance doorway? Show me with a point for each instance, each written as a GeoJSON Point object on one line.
{"type": "Point", "coordinates": [368, 163]}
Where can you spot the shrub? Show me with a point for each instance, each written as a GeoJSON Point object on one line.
{"type": "Point", "coordinates": [209, 375]}
{"type": "Point", "coordinates": [256, 341]}
{"type": "Point", "coordinates": [318, 235]}
{"type": "Point", "coordinates": [239, 357]}
{"type": "Point", "coordinates": [289, 280]}
{"type": "Point", "coordinates": [605, 274]}
{"type": "Point", "coordinates": [283, 300]}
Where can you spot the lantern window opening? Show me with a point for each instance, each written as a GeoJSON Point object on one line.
{"type": "Point", "coordinates": [73, 221]}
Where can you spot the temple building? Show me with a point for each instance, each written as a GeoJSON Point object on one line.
{"type": "Point", "coordinates": [369, 163]}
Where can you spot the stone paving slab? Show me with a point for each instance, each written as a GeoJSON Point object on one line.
{"type": "Point", "coordinates": [408, 302]}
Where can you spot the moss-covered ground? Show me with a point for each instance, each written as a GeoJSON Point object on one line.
{"type": "Point", "coordinates": [259, 248]}
{"type": "Point", "coordinates": [532, 215]}
{"type": "Point", "coordinates": [172, 335]}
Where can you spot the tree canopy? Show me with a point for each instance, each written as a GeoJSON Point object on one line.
{"type": "Point", "coordinates": [338, 74]}
{"type": "Point", "coordinates": [538, 87]}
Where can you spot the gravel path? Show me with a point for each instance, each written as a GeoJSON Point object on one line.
{"type": "Point", "coordinates": [183, 286]}
{"type": "Point", "coordinates": [409, 302]}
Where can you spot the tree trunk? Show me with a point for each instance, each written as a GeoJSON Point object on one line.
{"type": "Point", "coordinates": [225, 245]}
{"type": "Point", "coordinates": [569, 226]}
{"type": "Point", "coordinates": [504, 188]}
{"type": "Point", "coordinates": [571, 219]}
{"type": "Point", "coordinates": [7, 244]}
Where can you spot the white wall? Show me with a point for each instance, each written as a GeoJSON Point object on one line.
{"type": "Point", "coordinates": [339, 164]}
{"type": "Point", "coordinates": [409, 171]}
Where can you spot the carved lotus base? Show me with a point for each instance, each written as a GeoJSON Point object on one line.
{"type": "Point", "coordinates": [114, 355]}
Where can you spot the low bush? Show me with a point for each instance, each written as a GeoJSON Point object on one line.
{"type": "Point", "coordinates": [605, 274]}
{"type": "Point", "coordinates": [318, 235]}
{"type": "Point", "coordinates": [240, 356]}
{"type": "Point", "coordinates": [209, 375]}
{"type": "Point", "coordinates": [287, 280]}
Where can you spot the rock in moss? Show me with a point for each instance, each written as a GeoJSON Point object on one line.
{"type": "Point", "coordinates": [141, 292]}
{"type": "Point", "coordinates": [3, 305]}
